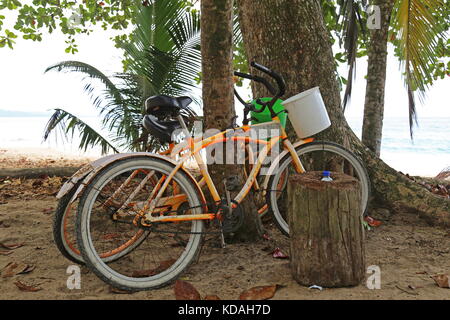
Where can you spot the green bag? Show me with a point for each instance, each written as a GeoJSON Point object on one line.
{"type": "Point", "coordinates": [265, 115]}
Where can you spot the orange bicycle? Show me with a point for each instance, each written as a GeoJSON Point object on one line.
{"type": "Point", "coordinates": [170, 213]}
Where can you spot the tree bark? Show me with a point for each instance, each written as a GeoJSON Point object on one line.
{"type": "Point", "coordinates": [327, 234]}
{"type": "Point", "coordinates": [376, 79]}
{"type": "Point", "coordinates": [290, 37]}
{"type": "Point", "coordinates": [218, 98]}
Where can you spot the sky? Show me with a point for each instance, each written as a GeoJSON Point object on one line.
{"type": "Point", "coordinates": [25, 87]}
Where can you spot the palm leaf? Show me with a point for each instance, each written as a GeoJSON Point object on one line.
{"type": "Point", "coordinates": [352, 29]}
{"type": "Point", "coordinates": [91, 72]}
{"type": "Point", "coordinates": [67, 123]}
{"type": "Point", "coordinates": [418, 33]}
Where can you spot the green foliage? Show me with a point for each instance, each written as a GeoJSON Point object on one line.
{"type": "Point", "coordinates": [419, 33]}
{"type": "Point", "coordinates": [71, 17]}
{"type": "Point", "coordinates": [162, 56]}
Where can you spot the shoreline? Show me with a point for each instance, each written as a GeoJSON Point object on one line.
{"type": "Point", "coordinates": [42, 157]}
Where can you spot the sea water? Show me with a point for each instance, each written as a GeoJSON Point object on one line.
{"type": "Point", "coordinates": [427, 154]}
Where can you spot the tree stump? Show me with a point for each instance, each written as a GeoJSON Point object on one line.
{"type": "Point", "coordinates": [326, 230]}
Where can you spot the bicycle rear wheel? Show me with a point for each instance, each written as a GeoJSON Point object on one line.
{"type": "Point", "coordinates": [169, 247]}
{"type": "Point", "coordinates": [64, 232]}
{"type": "Point", "coordinates": [315, 156]}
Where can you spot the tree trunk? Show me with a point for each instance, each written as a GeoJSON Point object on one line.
{"type": "Point", "coordinates": [218, 98]}
{"type": "Point", "coordinates": [37, 172]}
{"type": "Point", "coordinates": [289, 36]}
{"type": "Point", "coordinates": [327, 234]}
{"type": "Point", "coordinates": [376, 79]}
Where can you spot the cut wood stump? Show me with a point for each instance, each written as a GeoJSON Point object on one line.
{"type": "Point", "coordinates": [326, 230]}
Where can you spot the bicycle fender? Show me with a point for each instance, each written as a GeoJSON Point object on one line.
{"type": "Point", "coordinates": [96, 166]}
{"type": "Point", "coordinates": [81, 174]}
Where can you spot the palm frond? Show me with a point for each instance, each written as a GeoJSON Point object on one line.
{"type": "Point", "coordinates": [67, 123]}
{"type": "Point", "coordinates": [418, 33]}
{"type": "Point", "coordinates": [352, 29]}
{"type": "Point", "coordinates": [91, 72]}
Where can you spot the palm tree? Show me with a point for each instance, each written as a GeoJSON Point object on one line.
{"type": "Point", "coordinates": [161, 56]}
{"type": "Point", "coordinates": [417, 29]}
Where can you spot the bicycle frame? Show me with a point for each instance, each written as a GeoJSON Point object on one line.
{"type": "Point", "coordinates": [195, 147]}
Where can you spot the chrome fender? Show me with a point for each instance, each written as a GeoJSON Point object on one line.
{"type": "Point", "coordinates": [89, 171]}
{"type": "Point", "coordinates": [82, 173]}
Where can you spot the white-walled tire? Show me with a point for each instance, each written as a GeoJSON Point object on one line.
{"type": "Point", "coordinates": [278, 182]}
{"type": "Point", "coordinates": [128, 273]}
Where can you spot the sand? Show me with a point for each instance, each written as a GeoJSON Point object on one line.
{"type": "Point", "coordinates": [406, 249]}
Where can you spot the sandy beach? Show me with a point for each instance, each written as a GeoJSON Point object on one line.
{"type": "Point", "coordinates": [40, 158]}
{"type": "Point", "coordinates": [406, 249]}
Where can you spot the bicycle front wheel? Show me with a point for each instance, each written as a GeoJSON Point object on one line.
{"type": "Point", "coordinates": [315, 156]}
{"type": "Point", "coordinates": [105, 218]}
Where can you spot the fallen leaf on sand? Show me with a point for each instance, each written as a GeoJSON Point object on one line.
{"type": "Point", "coordinates": [259, 293]}
{"type": "Point", "coordinates": [14, 268]}
{"type": "Point", "coordinates": [24, 287]}
{"type": "Point", "coordinates": [266, 236]}
{"type": "Point", "coordinates": [28, 268]}
{"type": "Point", "coordinates": [421, 272]}
{"type": "Point", "coordinates": [119, 291]}
{"type": "Point", "coordinates": [11, 246]}
{"type": "Point", "coordinates": [442, 280]}
{"type": "Point", "coordinates": [48, 210]}
{"type": "Point", "coordinates": [185, 291]}
{"type": "Point", "coordinates": [372, 222]}
{"type": "Point", "coordinates": [414, 287]}
{"type": "Point", "coordinates": [278, 254]}
{"type": "Point", "coordinates": [211, 297]}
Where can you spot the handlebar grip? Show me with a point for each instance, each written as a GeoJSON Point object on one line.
{"type": "Point", "coordinates": [278, 78]}
{"type": "Point", "coordinates": [261, 67]}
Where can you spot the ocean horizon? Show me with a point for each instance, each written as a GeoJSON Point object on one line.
{"type": "Point", "coordinates": [426, 155]}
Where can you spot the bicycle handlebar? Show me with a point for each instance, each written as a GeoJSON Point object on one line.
{"type": "Point", "coordinates": [257, 79]}
{"type": "Point", "coordinates": [279, 80]}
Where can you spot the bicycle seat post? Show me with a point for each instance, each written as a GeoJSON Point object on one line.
{"type": "Point", "coordinates": [183, 126]}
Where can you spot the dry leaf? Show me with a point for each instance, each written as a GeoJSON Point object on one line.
{"type": "Point", "coordinates": [48, 210]}
{"type": "Point", "coordinates": [9, 270]}
{"type": "Point", "coordinates": [11, 246]}
{"type": "Point", "coordinates": [14, 268]}
{"type": "Point", "coordinates": [185, 291]}
{"type": "Point", "coordinates": [278, 254]}
{"type": "Point", "coordinates": [211, 297]}
{"type": "Point", "coordinates": [119, 291]}
{"type": "Point", "coordinates": [442, 280]}
{"type": "Point", "coordinates": [259, 293]}
{"type": "Point", "coordinates": [28, 268]}
{"type": "Point", "coordinates": [372, 222]}
{"type": "Point", "coordinates": [27, 288]}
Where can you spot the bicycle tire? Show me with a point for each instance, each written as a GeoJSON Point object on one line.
{"type": "Point", "coordinates": [335, 148]}
{"type": "Point", "coordinates": [69, 249]}
{"type": "Point", "coordinates": [106, 272]}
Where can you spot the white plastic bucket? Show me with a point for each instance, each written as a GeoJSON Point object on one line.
{"type": "Point", "coordinates": [307, 112]}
